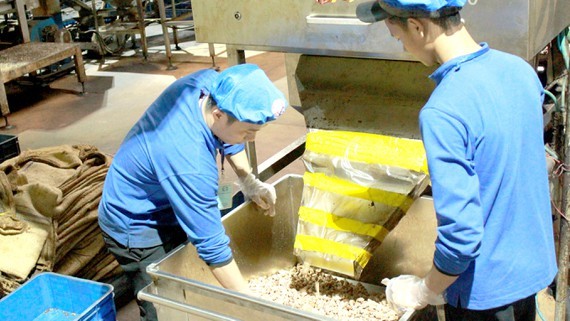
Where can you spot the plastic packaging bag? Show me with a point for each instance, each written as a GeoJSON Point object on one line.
{"type": "Point", "coordinates": [357, 187]}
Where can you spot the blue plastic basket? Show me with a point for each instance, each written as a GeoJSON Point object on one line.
{"type": "Point", "coordinates": [50, 296]}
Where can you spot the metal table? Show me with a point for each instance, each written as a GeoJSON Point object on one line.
{"type": "Point", "coordinates": [26, 58]}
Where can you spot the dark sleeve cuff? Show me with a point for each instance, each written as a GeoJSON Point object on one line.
{"type": "Point", "coordinates": [220, 264]}
{"type": "Point", "coordinates": [233, 149]}
{"type": "Point", "coordinates": [443, 272]}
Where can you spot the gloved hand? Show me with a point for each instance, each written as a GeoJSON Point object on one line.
{"type": "Point", "coordinates": [410, 292]}
{"type": "Point", "coordinates": [262, 194]}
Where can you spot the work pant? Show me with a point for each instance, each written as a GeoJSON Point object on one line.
{"type": "Point", "coordinates": [522, 310]}
{"type": "Point", "coordinates": [134, 262]}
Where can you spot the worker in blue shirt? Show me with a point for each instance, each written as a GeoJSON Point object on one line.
{"type": "Point", "coordinates": [162, 186]}
{"type": "Point", "coordinates": [482, 129]}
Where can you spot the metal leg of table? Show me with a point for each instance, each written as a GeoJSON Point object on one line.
{"type": "Point", "coordinates": [162, 13]}
{"type": "Point", "coordinates": [175, 36]}
{"type": "Point", "coordinates": [3, 100]}
{"type": "Point", "coordinates": [213, 55]}
{"type": "Point", "coordinates": [79, 68]}
{"type": "Point", "coordinates": [236, 57]}
{"type": "Point", "coordinates": [22, 20]}
{"type": "Point", "coordinates": [4, 107]}
{"type": "Point", "coordinates": [141, 24]}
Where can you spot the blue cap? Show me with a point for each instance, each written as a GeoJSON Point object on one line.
{"type": "Point", "coordinates": [244, 92]}
{"type": "Point", "coordinates": [378, 10]}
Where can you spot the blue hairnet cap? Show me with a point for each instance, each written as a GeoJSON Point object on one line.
{"type": "Point", "coordinates": [378, 10]}
{"type": "Point", "coordinates": [244, 92]}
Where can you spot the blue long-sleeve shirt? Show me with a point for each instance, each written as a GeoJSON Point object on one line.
{"type": "Point", "coordinates": [482, 130]}
{"type": "Point", "coordinates": [165, 175]}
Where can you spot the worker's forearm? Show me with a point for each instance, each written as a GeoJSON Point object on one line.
{"type": "Point", "coordinates": [230, 277]}
{"type": "Point", "coordinates": [437, 282]}
{"type": "Point", "coordinates": [239, 163]}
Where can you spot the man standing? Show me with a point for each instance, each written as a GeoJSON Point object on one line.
{"type": "Point", "coordinates": [162, 186]}
{"type": "Point", "coordinates": [483, 135]}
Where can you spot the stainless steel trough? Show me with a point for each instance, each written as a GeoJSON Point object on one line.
{"type": "Point", "coordinates": [185, 289]}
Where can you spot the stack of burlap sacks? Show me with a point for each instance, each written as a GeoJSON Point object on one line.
{"type": "Point", "coordinates": [48, 221]}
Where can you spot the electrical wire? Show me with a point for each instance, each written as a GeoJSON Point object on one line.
{"type": "Point", "coordinates": [101, 42]}
{"type": "Point", "coordinates": [560, 167]}
{"type": "Point", "coordinates": [538, 309]}
{"type": "Point", "coordinates": [558, 170]}
{"type": "Point", "coordinates": [551, 95]}
{"type": "Point", "coordinates": [558, 210]}
{"type": "Point", "coordinates": [564, 45]}
{"type": "Point", "coordinates": [551, 152]}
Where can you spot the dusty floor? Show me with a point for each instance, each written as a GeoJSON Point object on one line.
{"type": "Point", "coordinates": [119, 89]}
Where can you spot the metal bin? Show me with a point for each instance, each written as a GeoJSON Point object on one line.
{"type": "Point", "coordinates": [184, 288]}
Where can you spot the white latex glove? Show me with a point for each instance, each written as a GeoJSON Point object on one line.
{"type": "Point", "coordinates": [407, 292]}
{"type": "Point", "coordinates": [262, 194]}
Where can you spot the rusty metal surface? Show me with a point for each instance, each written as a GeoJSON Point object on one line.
{"type": "Point", "coordinates": [25, 58]}
{"type": "Point", "coordinates": [28, 57]}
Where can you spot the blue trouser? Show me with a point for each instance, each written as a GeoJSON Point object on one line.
{"type": "Point", "coordinates": [134, 262]}
{"type": "Point", "coordinates": [522, 310]}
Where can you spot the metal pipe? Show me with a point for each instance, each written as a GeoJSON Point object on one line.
{"type": "Point", "coordinates": [252, 156]}
{"type": "Point", "coordinates": [22, 20]}
{"type": "Point", "coordinates": [212, 50]}
{"type": "Point", "coordinates": [174, 30]}
{"type": "Point", "coordinates": [141, 26]}
{"type": "Point", "coordinates": [162, 13]}
{"type": "Point", "coordinates": [95, 16]}
{"type": "Point", "coordinates": [563, 250]}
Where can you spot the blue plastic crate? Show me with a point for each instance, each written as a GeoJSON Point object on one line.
{"type": "Point", "coordinates": [50, 296]}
